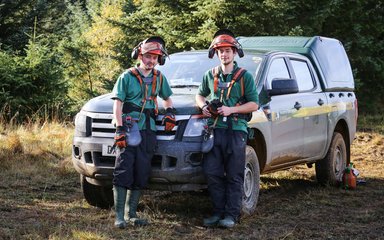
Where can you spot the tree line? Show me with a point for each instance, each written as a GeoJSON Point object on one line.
{"type": "Point", "coordinates": [55, 55]}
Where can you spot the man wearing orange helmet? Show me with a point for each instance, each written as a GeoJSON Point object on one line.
{"type": "Point", "coordinates": [135, 107]}
{"type": "Point", "coordinates": [231, 101]}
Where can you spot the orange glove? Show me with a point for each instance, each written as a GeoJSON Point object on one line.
{"type": "Point", "coordinates": [169, 119]}
{"type": "Point", "coordinates": [120, 139]}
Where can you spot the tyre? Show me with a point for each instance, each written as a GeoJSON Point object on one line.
{"type": "Point", "coordinates": [251, 182]}
{"type": "Point", "coordinates": [98, 196]}
{"type": "Point", "coordinates": [329, 171]}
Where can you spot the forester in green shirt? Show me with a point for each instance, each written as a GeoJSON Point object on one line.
{"type": "Point", "coordinates": [135, 105]}
{"type": "Point", "coordinates": [233, 95]}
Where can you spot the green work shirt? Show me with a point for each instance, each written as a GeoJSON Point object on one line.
{"type": "Point", "coordinates": [206, 89]}
{"type": "Point", "coordinates": [128, 89]}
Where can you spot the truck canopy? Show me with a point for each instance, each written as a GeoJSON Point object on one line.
{"type": "Point", "coordinates": [327, 53]}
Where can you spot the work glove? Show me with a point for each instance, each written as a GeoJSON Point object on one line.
{"type": "Point", "coordinates": [120, 139]}
{"type": "Point", "coordinates": [169, 119]}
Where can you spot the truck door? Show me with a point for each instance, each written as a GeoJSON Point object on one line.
{"type": "Point", "coordinates": [313, 107]}
{"type": "Point", "coordinates": [286, 127]}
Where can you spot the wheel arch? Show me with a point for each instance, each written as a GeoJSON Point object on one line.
{"type": "Point", "coordinates": [260, 147]}
{"type": "Point", "coordinates": [342, 128]}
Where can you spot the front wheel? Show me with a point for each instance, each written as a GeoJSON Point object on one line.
{"type": "Point", "coordinates": [251, 182]}
{"type": "Point", "coordinates": [329, 171]}
{"type": "Point", "coordinates": [98, 196]}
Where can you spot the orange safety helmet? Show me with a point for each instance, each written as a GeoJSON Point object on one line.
{"type": "Point", "coordinates": [224, 38]}
{"type": "Point", "coordinates": [152, 45]}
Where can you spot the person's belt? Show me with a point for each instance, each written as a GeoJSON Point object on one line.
{"type": "Point", "coordinates": [244, 116]}
{"type": "Point", "coordinates": [130, 107]}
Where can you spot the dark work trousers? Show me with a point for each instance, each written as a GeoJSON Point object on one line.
{"type": "Point", "coordinates": [225, 172]}
{"type": "Point", "coordinates": [133, 164]}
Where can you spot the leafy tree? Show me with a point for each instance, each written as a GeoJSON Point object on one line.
{"type": "Point", "coordinates": [17, 19]}
{"type": "Point", "coordinates": [362, 32]}
{"type": "Point", "coordinates": [191, 24]}
{"type": "Point", "coordinates": [84, 44]}
{"type": "Point", "coordinates": [89, 53]}
{"type": "Point", "coordinates": [31, 86]}
{"type": "Point", "coordinates": [13, 16]}
{"type": "Point", "coordinates": [102, 37]}
{"type": "Point", "coordinates": [8, 79]}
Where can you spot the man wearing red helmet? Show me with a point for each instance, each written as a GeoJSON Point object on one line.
{"type": "Point", "coordinates": [231, 100]}
{"type": "Point", "coordinates": [135, 106]}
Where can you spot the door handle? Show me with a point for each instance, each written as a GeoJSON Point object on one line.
{"type": "Point", "coordinates": [350, 94]}
{"type": "Point", "coordinates": [331, 95]}
{"type": "Point", "coordinates": [320, 102]}
{"type": "Point", "coordinates": [341, 94]}
{"type": "Point", "coordinates": [297, 105]}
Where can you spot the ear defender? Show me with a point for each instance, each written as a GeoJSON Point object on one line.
{"type": "Point", "coordinates": [161, 59]}
{"type": "Point", "coordinates": [136, 51]}
{"type": "Point", "coordinates": [240, 51]}
{"type": "Point", "coordinates": [211, 52]}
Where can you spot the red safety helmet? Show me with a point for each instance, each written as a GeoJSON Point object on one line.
{"type": "Point", "coordinates": [152, 45]}
{"type": "Point", "coordinates": [224, 38]}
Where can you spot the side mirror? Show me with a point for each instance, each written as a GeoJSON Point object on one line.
{"type": "Point", "coordinates": [281, 86]}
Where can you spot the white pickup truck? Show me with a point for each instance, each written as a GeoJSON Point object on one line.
{"type": "Point", "coordinates": [307, 115]}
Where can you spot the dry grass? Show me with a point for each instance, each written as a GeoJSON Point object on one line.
{"type": "Point", "coordinates": [40, 198]}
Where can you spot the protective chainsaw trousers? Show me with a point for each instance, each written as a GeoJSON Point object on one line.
{"type": "Point", "coordinates": [225, 172]}
{"type": "Point", "coordinates": [133, 164]}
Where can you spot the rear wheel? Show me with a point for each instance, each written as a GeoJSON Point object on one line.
{"type": "Point", "coordinates": [98, 196]}
{"type": "Point", "coordinates": [329, 171]}
{"type": "Point", "coordinates": [251, 182]}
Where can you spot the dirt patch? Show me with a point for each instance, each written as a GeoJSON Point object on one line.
{"type": "Point", "coordinates": [45, 205]}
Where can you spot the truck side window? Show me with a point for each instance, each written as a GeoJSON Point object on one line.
{"type": "Point", "coordinates": [277, 69]}
{"type": "Point", "coordinates": [303, 75]}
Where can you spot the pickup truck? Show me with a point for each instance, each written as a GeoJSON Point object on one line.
{"type": "Point", "coordinates": [307, 115]}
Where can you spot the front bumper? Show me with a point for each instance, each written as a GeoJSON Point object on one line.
{"type": "Point", "coordinates": [176, 166]}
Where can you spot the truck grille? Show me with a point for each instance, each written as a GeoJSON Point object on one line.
{"type": "Point", "coordinates": [101, 125]}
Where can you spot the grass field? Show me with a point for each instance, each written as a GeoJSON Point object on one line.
{"type": "Point", "coordinates": [40, 197]}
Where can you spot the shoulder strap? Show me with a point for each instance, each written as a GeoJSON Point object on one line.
{"type": "Point", "coordinates": [215, 73]}
{"type": "Point", "coordinates": [238, 75]}
{"type": "Point", "coordinates": [161, 77]}
{"type": "Point", "coordinates": [154, 95]}
{"type": "Point", "coordinates": [242, 85]}
{"type": "Point", "coordinates": [154, 83]}
{"type": "Point", "coordinates": [137, 74]}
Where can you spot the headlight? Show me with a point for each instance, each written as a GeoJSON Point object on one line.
{"type": "Point", "coordinates": [81, 125]}
{"type": "Point", "coordinates": [195, 126]}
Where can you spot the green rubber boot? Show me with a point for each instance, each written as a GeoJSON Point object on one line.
{"type": "Point", "coordinates": [119, 197]}
{"type": "Point", "coordinates": [131, 207]}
